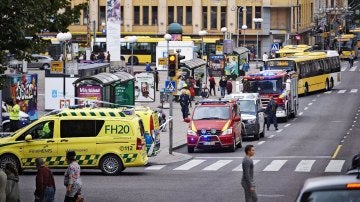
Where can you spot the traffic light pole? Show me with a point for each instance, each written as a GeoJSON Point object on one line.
{"type": "Point", "coordinates": [170, 107]}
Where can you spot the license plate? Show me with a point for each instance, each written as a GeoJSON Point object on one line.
{"type": "Point", "coordinates": [209, 143]}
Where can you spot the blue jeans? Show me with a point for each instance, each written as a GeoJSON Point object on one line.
{"type": "Point", "coordinates": [222, 90]}
{"type": "Point", "coordinates": [49, 194]}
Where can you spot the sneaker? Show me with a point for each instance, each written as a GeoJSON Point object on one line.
{"type": "Point", "coordinates": [276, 129]}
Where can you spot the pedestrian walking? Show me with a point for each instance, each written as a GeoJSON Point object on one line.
{"type": "Point", "coordinates": [222, 84]}
{"type": "Point", "coordinates": [184, 103]}
{"type": "Point", "coordinates": [14, 114]}
{"type": "Point", "coordinates": [101, 57]}
{"type": "Point", "coordinates": [148, 67]}
{"type": "Point", "coordinates": [265, 58]}
{"type": "Point", "coordinates": [229, 87]}
{"type": "Point", "coordinates": [92, 56]}
{"type": "Point", "coordinates": [351, 60]}
{"type": "Point", "coordinates": [271, 113]}
{"type": "Point", "coordinates": [156, 77]}
{"type": "Point", "coordinates": [3, 180]}
{"type": "Point", "coordinates": [72, 179]}
{"type": "Point", "coordinates": [108, 57]}
{"type": "Point", "coordinates": [212, 84]}
{"type": "Point", "coordinates": [12, 184]}
{"type": "Point", "coordinates": [247, 180]}
{"type": "Point", "coordinates": [45, 183]}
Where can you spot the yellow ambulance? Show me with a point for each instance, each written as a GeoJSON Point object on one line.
{"type": "Point", "coordinates": [102, 138]}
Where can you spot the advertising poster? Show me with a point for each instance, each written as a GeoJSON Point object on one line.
{"type": "Point", "coordinates": [113, 29]}
{"type": "Point", "coordinates": [216, 65]}
{"type": "Point", "coordinates": [124, 93]}
{"type": "Point", "coordinates": [144, 87]}
{"type": "Point", "coordinates": [231, 65]}
{"type": "Point", "coordinates": [89, 93]}
{"type": "Point", "coordinates": [24, 88]}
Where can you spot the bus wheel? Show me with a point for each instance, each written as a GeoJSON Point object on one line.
{"type": "Point", "coordinates": [331, 83]}
{"type": "Point", "coordinates": [327, 86]}
{"type": "Point", "coordinates": [134, 59]}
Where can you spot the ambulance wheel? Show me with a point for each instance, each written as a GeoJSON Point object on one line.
{"type": "Point", "coordinates": [10, 158]}
{"type": "Point", "coordinates": [111, 165]}
{"type": "Point", "coordinates": [190, 149]}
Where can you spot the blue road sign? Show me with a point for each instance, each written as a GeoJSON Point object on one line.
{"type": "Point", "coordinates": [275, 47]}
{"type": "Point", "coordinates": [170, 86]}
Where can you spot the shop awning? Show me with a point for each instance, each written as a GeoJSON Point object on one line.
{"type": "Point", "coordinates": [104, 78]}
{"type": "Point", "coordinates": [240, 50]}
{"type": "Point", "coordinates": [194, 63]}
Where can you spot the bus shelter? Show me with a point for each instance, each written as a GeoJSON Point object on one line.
{"type": "Point", "coordinates": [106, 89]}
{"type": "Point", "coordinates": [195, 68]}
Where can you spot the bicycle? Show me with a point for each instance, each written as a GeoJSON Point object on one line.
{"type": "Point", "coordinates": [205, 93]}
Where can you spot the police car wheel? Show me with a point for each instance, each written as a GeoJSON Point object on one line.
{"type": "Point", "coordinates": [111, 165]}
{"type": "Point", "coordinates": [9, 158]}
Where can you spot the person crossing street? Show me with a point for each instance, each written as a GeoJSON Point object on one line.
{"type": "Point", "coordinates": [271, 113]}
{"type": "Point", "coordinates": [247, 180]}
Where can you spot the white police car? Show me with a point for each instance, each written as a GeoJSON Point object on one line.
{"type": "Point", "coordinates": [24, 118]}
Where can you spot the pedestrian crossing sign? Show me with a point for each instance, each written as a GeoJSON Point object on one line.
{"type": "Point", "coordinates": [170, 86]}
{"type": "Point", "coordinates": [275, 47]}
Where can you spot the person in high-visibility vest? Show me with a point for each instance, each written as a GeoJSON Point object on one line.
{"type": "Point", "coordinates": [14, 115]}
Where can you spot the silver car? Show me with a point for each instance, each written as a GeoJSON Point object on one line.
{"type": "Point", "coordinates": [40, 61]}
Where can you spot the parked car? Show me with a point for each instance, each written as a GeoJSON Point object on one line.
{"type": "Point", "coordinates": [37, 61]}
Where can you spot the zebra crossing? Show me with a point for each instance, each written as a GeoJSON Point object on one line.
{"type": "Point", "coordinates": [342, 91]}
{"type": "Point", "coordinates": [262, 165]}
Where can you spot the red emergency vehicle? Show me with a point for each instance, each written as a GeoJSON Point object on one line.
{"type": "Point", "coordinates": [280, 84]}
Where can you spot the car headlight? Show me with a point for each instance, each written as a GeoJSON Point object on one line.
{"type": "Point", "coordinates": [191, 132]}
{"type": "Point", "coordinates": [251, 121]}
{"type": "Point", "coordinates": [227, 132]}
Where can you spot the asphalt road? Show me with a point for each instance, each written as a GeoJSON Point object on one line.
{"type": "Point", "coordinates": [304, 147]}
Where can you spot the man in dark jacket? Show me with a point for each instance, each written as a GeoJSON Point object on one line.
{"type": "Point", "coordinates": [184, 103]}
{"type": "Point", "coordinates": [45, 183]}
{"type": "Point", "coordinates": [271, 113]}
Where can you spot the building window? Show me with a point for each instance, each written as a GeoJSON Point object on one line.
{"type": "Point", "coordinates": [240, 17]}
{"type": "Point", "coordinates": [311, 13]}
{"type": "Point", "coordinates": [188, 15]}
{"type": "Point", "coordinates": [204, 17]}
{"type": "Point", "coordinates": [154, 13]}
{"type": "Point", "coordinates": [136, 15]}
{"type": "Point", "coordinates": [102, 15]}
{"type": "Point", "coordinates": [223, 16]}
{"type": "Point", "coordinates": [249, 17]}
{"type": "Point", "coordinates": [258, 15]}
{"type": "Point", "coordinates": [179, 17]}
{"type": "Point", "coordinates": [145, 15]}
{"type": "Point", "coordinates": [213, 17]}
{"type": "Point", "coordinates": [294, 18]}
{"type": "Point", "coordinates": [170, 14]}
{"type": "Point", "coordinates": [85, 16]}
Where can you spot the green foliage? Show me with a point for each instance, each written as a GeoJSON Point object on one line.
{"type": "Point", "coordinates": [22, 21]}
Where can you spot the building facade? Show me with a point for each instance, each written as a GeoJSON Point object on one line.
{"type": "Point", "coordinates": [284, 22]}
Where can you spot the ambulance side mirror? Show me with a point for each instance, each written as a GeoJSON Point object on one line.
{"type": "Point", "coordinates": [28, 138]}
{"type": "Point", "coordinates": [288, 84]}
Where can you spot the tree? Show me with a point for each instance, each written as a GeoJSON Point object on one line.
{"type": "Point", "coordinates": [23, 22]}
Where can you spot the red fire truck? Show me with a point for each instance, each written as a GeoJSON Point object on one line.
{"type": "Point", "coordinates": [280, 84]}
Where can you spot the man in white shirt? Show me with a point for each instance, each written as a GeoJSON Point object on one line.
{"type": "Point", "coordinates": [265, 58]}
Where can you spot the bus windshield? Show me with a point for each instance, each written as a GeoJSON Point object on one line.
{"type": "Point", "coordinates": [287, 65]}
{"type": "Point", "coordinates": [266, 86]}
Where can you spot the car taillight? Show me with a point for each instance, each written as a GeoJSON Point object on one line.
{"type": "Point", "coordinates": [139, 144]}
{"type": "Point", "coordinates": [353, 186]}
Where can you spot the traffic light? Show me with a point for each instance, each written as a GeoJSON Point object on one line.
{"type": "Point", "coordinates": [172, 65]}
{"type": "Point", "coordinates": [178, 63]}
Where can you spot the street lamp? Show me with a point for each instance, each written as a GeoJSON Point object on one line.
{"type": "Point", "coordinates": [64, 38]}
{"type": "Point", "coordinates": [167, 37]}
{"type": "Point", "coordinates": [202, 33]}
{"type": "Point", "coordinates": [238, 24]}
{"type": "Point", "coordinates": [257, 22]}
{"type": "Point", "coordinates": [132, 40]}
{"type": "Point", "coordinates": [224, 30]}
{"type": "Point", "coordinates": [244, 27]}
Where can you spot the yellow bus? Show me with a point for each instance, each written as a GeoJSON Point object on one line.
{"type": "Point", "coordinates": [144, 49]}
{"type": "Point", "coordinates": [289, 50]}
{"type": "Point", "coordinates": [318, 70]}
{"type": "Point", "coordinates": [347, 44]}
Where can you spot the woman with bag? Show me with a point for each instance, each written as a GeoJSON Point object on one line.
{"type": "Point", "coordinates": [72, 179]}
{"type": "Point", "coordinates": [12, 185]}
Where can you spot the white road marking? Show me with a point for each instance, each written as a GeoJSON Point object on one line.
{"type": "Point", "coordinates": [328, 92]}
{"type": "Point", "coordinates": [353, 69]}
{"type": "Point", "coordinates": [287, 125]}
{"type": "Point", "coordinates": [306, 108]}
{"type": "Point", "coordinates": [265, 157]}
{"type": "Point", "coordinates": [342, 91]}
{"type": "Point", "coordinates": [300, 113]}
{"type": "Point", "coordinates": [155, 167]}
{"type": "Point", "coordinates": [217, 165]}
{"type": "Point", "coordinates": [189, 165]}
{"type": "Point", "coordinates": [271, 136]}
{"type": "Point", "coordinates": [304, 166]}
{"type": "Point", "coordinates": [294, 119]}
{"type": "Point", "coordinates": [313, 100]}
{"type": "Point", "coordinates": [353, 90]}
{"type": "Point", "coordinates": [310, 103]}
{"type": "Point", "coordinates": [334, 166]}
{"type": "Point", "coordinates": [278, 131]}
{"type": "Point", "coordinates": [275, 165]}
{"type": "Point", "coordinates": [261, 142]}
{"type": "Point", "coordinates": [239, 167]}
{"type": "Point", "coordinates": [343, 69]}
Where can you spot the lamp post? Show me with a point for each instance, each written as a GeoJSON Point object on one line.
{"type": "Point", "coordinates": [167, 37]}
{"type": "Point", "coordinates": [238, 24]}
{"type": "Point", "coordinates": [63, 38]}
{"type": "Point", "coordinates": [257, 22]}
{"type": "Point", "coordinates": [202, 33]}
{"type": "Point", "coordinates": [244, 27]}
{"type": "Point", "coordinates": [224, 30]}
{"type": "Point", "coordinates": [132, 40]}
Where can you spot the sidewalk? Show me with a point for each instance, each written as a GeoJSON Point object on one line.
{"type": "Point", "coordinates": [179, 126]}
